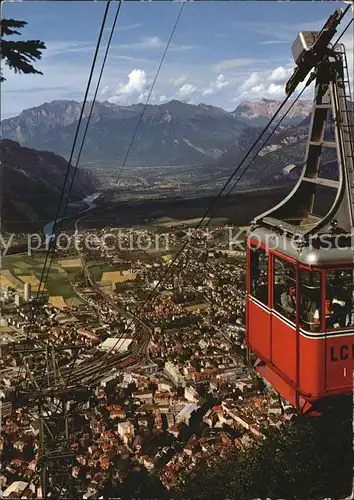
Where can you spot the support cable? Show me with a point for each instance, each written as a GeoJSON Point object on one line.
{"type": "Point", "coordinates": [142, 115]}
{"type": "Point", "coordinates": [170, 270]}
{"type": "Point", "coordinates": [146, 103]}
{"type": "Point", "coordinates": [135, 131]}
{"type": "Point", "coordinates": [87, 124]}
{"type": "Point", "coordinates": [103, 22]}
{"type": "Point", "coordinates": [167, 274]}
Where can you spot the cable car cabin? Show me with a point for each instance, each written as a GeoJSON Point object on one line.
{"type": "Point", "coordinates": [300, 319]}
{"type": "Point", "coordinates": [300, 266]}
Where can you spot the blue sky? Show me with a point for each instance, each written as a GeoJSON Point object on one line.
{"type": "Point", "coordinates": [222, 52]}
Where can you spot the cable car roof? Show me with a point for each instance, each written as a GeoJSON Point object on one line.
{"type": "Point", "coordinates": [312, 255]}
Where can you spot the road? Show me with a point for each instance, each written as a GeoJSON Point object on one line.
{"type": "Point", "coordinates": [145, 342]}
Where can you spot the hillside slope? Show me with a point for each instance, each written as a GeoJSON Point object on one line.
{"type": "Point", "coordinates": [31, 183]}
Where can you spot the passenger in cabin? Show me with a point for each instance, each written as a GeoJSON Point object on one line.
{"type": "Point", "coordinates": [255, 275]}
{"type": "Point", "coordinates": [311, 314]}
{"type": "Point", "coordinates": [316, 317]}
{"type": "Point", "coordinates": [349, 308]}
{"type": "Point", "coordinates": [340, 311]}
{"type": "Point", "coordinates": [331, 314]}
{"type": "Point", "coordinates": [288, 301]}
{"type": "Point", "coordinates": [261, 288]}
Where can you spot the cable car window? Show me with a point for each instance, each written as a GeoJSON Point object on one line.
{"type": "Point", "coordinates": [339, 298]}
{"type": "Point", "coordinates": [310, 299]}
{"type": "Point", "coordinates": [259, 274]}
{"type": "Point", "coordinates": [284, 288]}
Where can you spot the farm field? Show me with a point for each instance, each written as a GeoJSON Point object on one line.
{"type": "Point", "coordinates": [97, 269]}
{"type": "Point", "coordinates": [64, 263]}
{"type": "Point", "coordinates": [115, 276]}
{"type": "Point", "coordinates": [171, 223]}
{"type": "Point", "coordinates": [19, 269]}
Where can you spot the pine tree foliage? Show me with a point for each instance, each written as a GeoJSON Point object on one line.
{"type": "Point", "coordinates": [306, 459]}
{"type": "Point", "coordinates": [18, 55]}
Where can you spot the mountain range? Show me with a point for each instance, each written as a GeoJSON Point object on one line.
{"type": "Point", "coordinates": [258, 113]}
{"type": "Point", "coordinates": [174, 133]}
{"type": "Point", "coordinates": [281, 159]}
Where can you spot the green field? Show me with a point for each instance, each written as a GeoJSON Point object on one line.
{"type": "Point", "coordinates": [60, 287]}
{"type": "Point", "coordinates": [27, 264]}
{"type": "Point", "coordinates": [58, 278]}
{"type": "Point", "coordinates": [174, 223]}
{"type": "Point", "coordinates": [98, 268]}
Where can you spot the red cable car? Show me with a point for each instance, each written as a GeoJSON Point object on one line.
{"type": "Point", "coordinates": [300, 286]}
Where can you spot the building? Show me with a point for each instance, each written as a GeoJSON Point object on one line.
{"type": "Point", "coordinates": [17, 300]}
{"type": "Point", "coordinates": [170, 419]}
{"type": "Point", "coordinates": [3, 321]}
{"type": "Point", "coordinates": [244, 385]}
{"type": "Point", "coordinates": [18, 488]}
{"type": "Point", "coordinates": [116, 344]}
{"type": "Point", "coordinates": [143, 396]}
{"type": "Point", "coordinates": [174, 374]}
{"type": "Point", "coordinates": [165, 386]}
{"type": "Point", "coordinates": [191, 394]}
{"type": "Point", "coordinates": [186, 414]}
{"type": "Point", "coordinates": [27, 292]}
{"type": "Point", "coordinates": [83, 332]}
{"type": "Point", "coordinates": [126, 431]}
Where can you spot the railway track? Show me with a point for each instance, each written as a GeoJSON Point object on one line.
{"type": "Point", "coordinates": [91, 371]}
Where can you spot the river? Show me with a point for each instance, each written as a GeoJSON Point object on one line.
{"type": "Point", "coordinates": [89, 200]}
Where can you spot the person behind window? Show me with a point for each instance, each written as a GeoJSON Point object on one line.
{"type": "Point", "coordinates": [255, 272]}
{"type": "Point", "coordinates": [288, 301]}
{"type": "Point", "coordinates": [311, 314]}
{"type": "Point", "coordinates": [349, 308]}
{"type": "Point", "coordinates": [316, 317]}
{"type": "Point", "coordinates": [329, 315]}
{"type": "Point", "coordinates": [339, 308]}
{"type": "Point", "coordinates": [261, 291]}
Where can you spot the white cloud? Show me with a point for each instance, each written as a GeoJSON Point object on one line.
{"type": "Point", "coordinates": [143, 96]}
{"type": "Point", "coordinates": [146, 42]}
{"type": "Point", "coordinates": [221, 82]}
{"type": "Point", "coordinates": [255, 85]}
{"type": "Point", "coordinates": [257, 90]}
{"type": "Point", "coordinates": [187, 89]}
{"type": "Point", "coordinates": [273, 42]}
{"type": "Point", "coordinates": [154, 42]}
{"type": "Point", "coordinates": [127, 27]}
{"type": "Point", "coordinates": [181, 79]}
{"type": "Point", "coordinates": [280, 74]}
{"type": "Point", "coordinates": [104, 91]}
{"type": "Point", "coordinates": [136, 82]}
{"type": "Point", "coordinates": [163, 98]}
{"type": "Point", "coordinates": [274, 89]}
{"type": "Point", "coordinates": [251, 81]}
{"type": "Point", "coordinates": [236, 63]}
{"type": "Point", "coordinates": [279, 31]}
{"type": "Point", "coordinates": [208, 91]}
